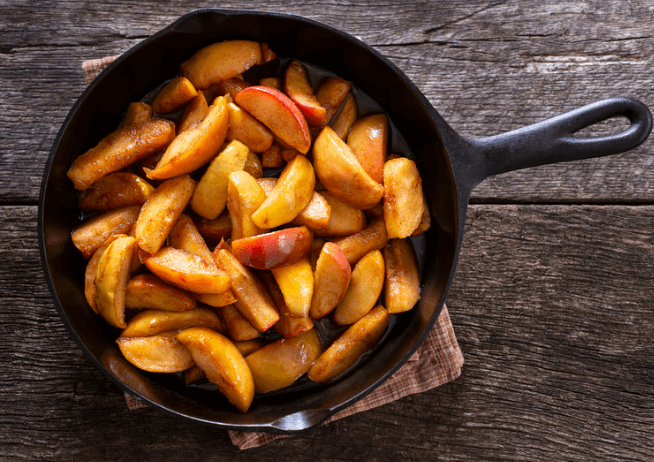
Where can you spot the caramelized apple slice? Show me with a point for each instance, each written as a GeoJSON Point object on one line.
{"type": "Point", "coordinates": [153, 322]}
{"type": "Point", "coordinates": [253, 301]}
{"type": "Point", "coordinates": [272, 82]}
{"type": "Point", "coordinates": [355, 246]}
{"type": "Point", "coordinates": [349, 347]}
{"type": "Point", "coordinates": [111, 278]}
{"type": "Point", "coordinates": [403, 200]}
{"type": "Point", "coordinates": [213, 231]}
{"type": "Point", "coordinates": [364, 290]}
{"type": "Point", "coordinates": [174, 95]}
{"type": "Point", "coordinates": [194, 113]}
{"type": "Point", "coordinates": [148, 292]}
{"type": "Point", "coordinates": [279, 364]}
{"type": "Point", "coordinates": [244, 196]}
{"type": "Point", "coordinates": [271, 250]}
{"type": "Point", "coordinates": [343, 219]}
{"type": "Point", "coordinates": [185, 236]}
{"type": "Point", "coordinates": [248, 130]}
{"type": "Point", "coordinates": [159, 353]}
{"type": "Point", "coordinates": [120, 149]}
{"type": "Point", "coordinates": [160, 212]}
{"type": "Point", "coordinates": [196, 146]}
{"type": "Point", "coordinates": [90, 235]}
{"type": "Point", "coordinates": [291, 194]}
{"type": "Point", "coordinates": [331, 280]}
{"type": "Point", "coordinates": [217, 300]}
{"type": "Point", "coordinates": [331, 93]}
{"type": "Point", "coordinates": [187, 271]}
{"type": "Point", "coordinates": [272, 157]}
{"type": "Point", "coordinates": [222, 363]}
{"type": "Point", "coordinates": [231, 86]}
{"type": "Point", "coordinates": [402, 287]}
{"type": "Point", "coordinates": [91, 269]}
{"type": "Point", "coordinates": [346, 118]}
{"type": "Point", "coordinates": [314, 216]}
{"type": "Point", "coordinates": [119, 189]}
{"type": "Point", "coordinates": [297, 86]}
{"type": "Point", "coordinates": [368, 139]}
{"type": "Point", "coordinates": [277, 112]}
{"type": "Point", "coordinates": [220, 61]}
{"type": "Point", "coordinates": [238, 328]}
{"type": "Point", "coordinates": [296, 283]}
{"type": "Point", "coordinates": [288, 325]}
{"type": "Point", "coordinates": [253, 165]}
{"type": "Point", "coordinates": [137, 113]}
{"type": "Point", "coordinates": [340, 172]}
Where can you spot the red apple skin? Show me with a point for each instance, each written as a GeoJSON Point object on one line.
{"type": "Point", "coordinates": [277, 112]}
{"type": "Point", "coordinates": [299, 89]}
{"type": "Point", "coordinates": [332, 278]}
{"type": "Point", "coordinates": [275, 249]}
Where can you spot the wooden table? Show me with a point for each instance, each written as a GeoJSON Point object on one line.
{"type": "Point", "coordinates": [552, 301]}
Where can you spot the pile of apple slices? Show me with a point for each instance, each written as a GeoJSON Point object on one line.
{"type": "Point", "coordinates": [320, 243]}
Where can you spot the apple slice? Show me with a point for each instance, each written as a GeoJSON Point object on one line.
{"type": "Point", "coordinates": [332, 278]}
{"type": "Point", "coordinates": [277, 112]}
{"type": "Point", "coordinates": [346, 118]}
{"type": "Point", "coordinates": [220, 61]}
{"type": "Point", "coordinates": [274, 249]}
{"type": "Point", "coordinates": [217, 300]}
{"type": "Point", "coordinates": [253, 301]}
{"type": "Point", "coordinates": [213, 231]}
{"type": "Point", "coordinates": [368, 139]}
{"type": "Point", "coordinates": [253, 165]}
{"type": "Point", "coordinates": [119, 189]}
{"type": "Point", "coordinates": [222, 363]}
{"type": "Point", "coordinates": [153, 322]}
{"type": "Point", "coordinates": [349, 347]}
{"type": "Point", "coordinates": [119, 149]}
{"type": "Point", "coordinates": [111, 278]}
{"type": "Point", "coordinates": [90, 235]}
{"type": "Point", "coordinates": [272, 82]}
{"type": "Point", "coordinates": [196, 146]}
{"type": "Point", "coordinates": [402, 288]}
{"type": "Point", "coordinates": [331, 93]}
{"type": "Point", "coordinates": [296, 283]}
{"type": "Point", "coordinates": [341, 173]}
{"type": "Point", "coordinates": [297, 86]}
{"type": "Point", "coordinates": [160, 212]}
{"type": "Point", "coordinates": [194, 113]}
{"type": "Point", "coordinates": [291, 194]}
{"type": "Point", "coordinates": [137, 112]}
{"type": "Point", "coordinates": [279, 364]}
{"type": "Point", "coordinates": [174, 95]}
{"type": "Point", "coordinates": [288, 325]}
{"type": "Point", "coordinates": [272, 157]}
{"type": "Point", "coordinates": [185, 236]}
{"type": "Point", "coordinates": [146, 291]}
{"type": "Point", "coordinates": [244, 196]}
{"type": "Point", "coordinates": [355, 246]}
{"type": "Point", "coordinates": [158, 353]}
{"type": "Point", "coordinates": [186, 271]}
{"type": "Point", "coordinates": [403, 199]}
{"type": "Point", "coordinates": [238, 328]}
{"type": "Point", "coordinates": [248, 130]}
{"type": "Point", "coordinates": [231, 86]}
{"type": "Point", "coordinates": [343, 219]}
{"type": "Point", "coordinates": [364, 290]}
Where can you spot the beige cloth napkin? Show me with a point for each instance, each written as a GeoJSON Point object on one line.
{"type": "Point", "coordinates": [436, 362]}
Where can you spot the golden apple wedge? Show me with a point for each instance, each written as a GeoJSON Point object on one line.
{"type": "Point", "coordinates": [137, 112]}
{"type": "Point", "coordinates": [244, 196]}
{"type": "Point", "coordinates": [222, 363]}
{"type": "Point", "coordinates": [194, 113]}
{"type": "Point", "coordinates": [185, 236]}
{"type": "Point", "coordinates": [153, 322]}
{"type": "Point", "coordinates": [346, 118]}
{"type": "Point", "coordinates": [331, 280]}
{"type": "Point", "coordinates": [217, 300]}
{"type": "Point", "coordinates": [279, 364]}
{"type": "Point", "coordinates": [238, 328]}
{"type": "Point", "coordinates": [277, 112]}
{"type": "Point", "coordinates": [118, 189]}
{"type": "Point", "coordinates": [402, 286]}
{"type": "Point", "coordinates": [274, 249]}
{"type": "Point", "coordinates": [196, 146]}
{"type": "Point", "coordinates": [298, 88]}
{"type": "Point", "coordinates": [90, 235]}
{"type": "Point", "coordinates": [296, 283]}
{"type": "Point", "coordinates": [365, 288]}
{"type": "Point", "coordinates": [111, 278]}
{"type": "Point", "coordinates": [148, 292]}
{"type": "Point", "coordinates": [373, 237]}
{"type": "Point", "coordinates": [331, 93]}
{"type": "Point", "coordinates": [220, 61]}
{"type": "Point", "coordinates": [341, 173]}
{"type": "Point", "coordinates": [288, 325]}
{"type": "Point", "coordinates": [248, 130]}
{"type": "Point", "coordinates": [368, 139]}
{"type": "Point", "coordinates": [403, 199]}
{"type": "Point", "coordinates": [174, 95]}
{"type": "Point", "coordinates": [291, 194]}
{"type": "Point", "coordinates": [159, 353]}
{"type": "Point", "coordinates": [349, 347]}
{"type": "Point", "coordinates": [91, 270]}
{"type": "Point", "coordinates": [213, 231]}
{"type": "Point", "coordinates": [344, 220]}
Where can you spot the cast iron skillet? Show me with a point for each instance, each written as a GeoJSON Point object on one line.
{"type": "Point", "coordinates": [451, 167]}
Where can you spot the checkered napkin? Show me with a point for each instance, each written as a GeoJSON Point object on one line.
{"type": "Point", "coordinates": [436, 362]}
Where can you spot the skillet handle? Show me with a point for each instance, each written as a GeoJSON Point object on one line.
{"type": "Point", "coordinates": [553, 140]}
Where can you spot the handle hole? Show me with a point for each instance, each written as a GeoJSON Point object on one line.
{"type": "Point", "coordinates": [607, 127]}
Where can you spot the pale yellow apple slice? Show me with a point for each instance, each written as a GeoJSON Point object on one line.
{"type": "Point", "coordinates": [364, 290]}
{"type": "Point", "coordinates": [279, 364]}
{"type": "Point", "coordinates": [222, 363]}
{"type": "Point", "coordinates": [116, 190]}
{"type": "Point", "coordinates": [111, 278]}
{"type": "Point", "coordinates": [120, 149]}
{"type": "Point", "coordinates": [153, 322]}
{"type": "Point", "coordinates": [291, 194]}
{"type": "Point", "coordinates": [403, 199]}
{"type": "Point", "coordinates": [368, 139]}
{"type": "Point", "coordinates": [331, 280]}
{"type": "Point", "coordinates": [220, 61]}
{"type": "Point", "coordinates": [349, 347]}
{"type": "Point", "coordinates": [148, 292]}
{"type": "Point", "coordinates": [159, 353]}
{"type": "Point", "coordinates": [196, 146]}
{"type": "Point", "coordinates": [277, 112]}
{"type": "Point", "coordinates": [296, 283]}
{"type": "Point", "coordinates": [244, 196]}
{"type": "Point", "coordinates": [160, 212]}
{"type": "Point", "coordinates": [402, 287]}
{"type": "Point", "coordinates": [340, 172]}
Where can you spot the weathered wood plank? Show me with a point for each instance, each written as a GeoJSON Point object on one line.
{"type": "Point", "coordinates": [551, 305]}
{"type": "Point", "coordinates": [487, 66]}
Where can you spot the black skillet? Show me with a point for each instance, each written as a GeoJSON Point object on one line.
{"type": "Point", "coordinates": [451, 167]}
